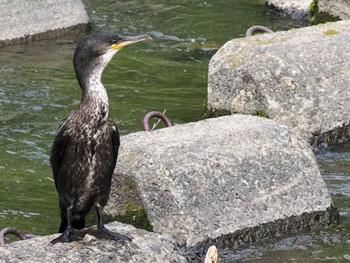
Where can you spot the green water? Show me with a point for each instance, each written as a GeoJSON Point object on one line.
{"type": "Point", "coordinates": [38, 89]}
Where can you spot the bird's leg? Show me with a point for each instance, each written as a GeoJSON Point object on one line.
{"type": "Point", "coordinates": [64, 237]}
{"type": "Point", "coordinates": [104, 233]}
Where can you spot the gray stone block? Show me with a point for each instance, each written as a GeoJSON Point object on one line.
{"type": "Point", "coordinates": [239, 176]}
{"type": "Point", "coordinates": [296, 9]}
{"type": "Point", "coordinates": [337, 8]}
{"type": "Point", "coordinates": [25, 20]}
{"type": "Point", "coordinates": [145, 247]}
{"type": "Point", "coordinates": [299, 78]}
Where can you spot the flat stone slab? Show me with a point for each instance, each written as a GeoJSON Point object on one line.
{"type": "Point", "coordinates": [145, 247]}
{"type": "Point", "coordinates": [22, 20]}
{"type": "Point", "coordinates": [300, 78]}
{"type": "Point", "coordinates": [240, 176]}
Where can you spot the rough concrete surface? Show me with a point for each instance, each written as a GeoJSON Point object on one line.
{"type": "Point", "coordinates": [23, 19]}
{"type": "Point", "coordinates": [337, 8]}
{"type": "Point", "coordinates": [145, 247]}
{"type": "Point", "coordinates": [204, 180]}
{"type": "Point", "coordinates": [297, 9]}
{"type": "Point", "coordinates": [300, 9]}
{"type": "Point", "coordinates": [300, 78]}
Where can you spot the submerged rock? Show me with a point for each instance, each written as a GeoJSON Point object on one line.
{"type": "Point", "coordinates": [233, 180]}
{"type": "Point", "coordinates": [299, 78]}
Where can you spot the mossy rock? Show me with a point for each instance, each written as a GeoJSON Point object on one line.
{"type": "Point", "coordinates": [262, 114]}
{"type": "Point", "coordinates": [330, 32]}
{"type": "Point", "coordinates": [210, 113]}
{"type": "Point", "coordinates": [135, 216]}
{"type": "Point", "coordinates": [332, 137]}
{"type": "Point", "coordinates": [125, 205]}
{"type": "Point", "coordinates": [317, 17]}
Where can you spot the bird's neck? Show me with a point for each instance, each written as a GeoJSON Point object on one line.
{"type": "Point", "coordinates": [89, 76]}
{"type": "Point", "coordinates": [95, 97]}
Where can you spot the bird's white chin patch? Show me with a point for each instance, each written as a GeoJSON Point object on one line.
{"type": "Point", "coordinates": [104, 60]}
{"type": "Point", "coordinates": [106, 57]}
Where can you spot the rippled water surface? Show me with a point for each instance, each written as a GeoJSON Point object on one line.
{"type": "Point", "coordinates": [38, 89]}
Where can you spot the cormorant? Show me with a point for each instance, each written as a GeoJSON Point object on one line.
{"type": "Point", "coordinates": [85, 150]}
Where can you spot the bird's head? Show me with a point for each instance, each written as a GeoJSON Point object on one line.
{"type": "Point", "coordinates": [95, 51]}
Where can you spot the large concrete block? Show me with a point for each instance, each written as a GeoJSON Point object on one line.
{"type": "Point", "coordinates": [297, 9]}
{"type": "Point", "coordinates": [300, 78]}
{"type": "Point", "coordinates": [145, 247]}
{"type": "Point", "coordinates": [24, 20]}
{"type": "Point", "coordinates": [238, 177]}
{"type": "Point", "coordinates": [336, 8]}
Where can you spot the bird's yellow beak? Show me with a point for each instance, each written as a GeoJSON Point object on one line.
{"type": "Point", "coordinates": [130, 40]}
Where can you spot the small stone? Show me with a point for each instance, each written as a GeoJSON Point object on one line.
{"type": "Point", "coordinates": [89, 238]}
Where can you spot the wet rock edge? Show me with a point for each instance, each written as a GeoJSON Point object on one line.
{"type": "Point", "coordinates": [277, 229]}
{"type": "Point", "coordinates": [51, 34]}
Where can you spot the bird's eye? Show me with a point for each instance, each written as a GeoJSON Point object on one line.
{"type": "Point", "coordinates": [113, 42]}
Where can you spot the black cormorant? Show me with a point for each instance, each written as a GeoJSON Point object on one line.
{"type": "Point", "coordinates": [84, 152]}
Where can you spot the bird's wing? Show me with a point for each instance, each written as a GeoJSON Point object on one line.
{"type": "Point", "coordinates": [57, 151]}
{"type": "Point", "coordinates": [115, 140]}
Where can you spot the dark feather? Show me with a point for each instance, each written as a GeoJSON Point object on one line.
{"type": "Point", "coordinates": [57, 153]}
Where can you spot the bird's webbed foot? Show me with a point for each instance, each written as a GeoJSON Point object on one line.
{"type": "Point", "coordinates": [67, 236]}
{"type": "Point", "coordinates": [104, 233]}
